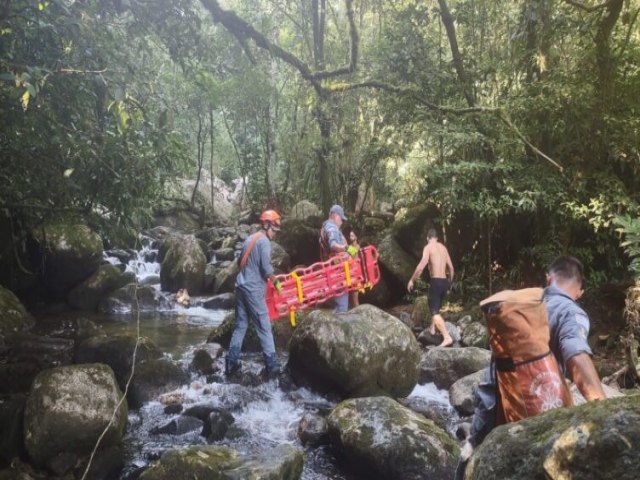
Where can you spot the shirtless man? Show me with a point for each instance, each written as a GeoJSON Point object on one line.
{"type": "Point", "coordinates": [435, 255]}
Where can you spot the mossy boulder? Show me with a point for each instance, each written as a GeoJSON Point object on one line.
{"type": "Point", "coordinates": [14, 317]}
{"type": "Point", "coordinates": [444, 366]}
{"type": "Point", "coordinates": [71, 252]}
{"type": "Point", "coordinates": [306, 211]}
{"type": "Point", "coordinates": [152, 378]}
{"type": "Point", "coordinates": [412, 224]}
{"type": "Point", "coordinates": [461, 394]}
{"type": "Point", "coordinates": [106, 279]}
{"type": "Point", "coordinates": [69, 408]}
{"type": "Point", "coordinates": [421, 315]}
{"type": "Point", "coordinates": [363, 352]}
{"type": "Point", "coordinates": [222, 335]}
{"type": "Point", "coordinates": [396, 263]}
{"type": "Point", "coordinates": [222, 463]}
{"type": "Point", "coordinates": [117, 352]}
{"type": "Point", "coordinates": [281, 329]}
{"type": "Point", "coordinates": [594, 440]}
{"type": "Point", "coordinates": [183, 265]}
{"type": "Point", "coordinates": [300, 240]}
{"type": "Point", "coordinates": [381, 439]}
{"type": "Point", "coordinates": [476, 335]}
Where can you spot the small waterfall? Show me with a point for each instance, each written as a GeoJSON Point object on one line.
{"type": "Point", "coordinates": [145, 265]}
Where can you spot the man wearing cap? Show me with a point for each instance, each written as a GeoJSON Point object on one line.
{"type": "Point", "coordinates": [332, 243]}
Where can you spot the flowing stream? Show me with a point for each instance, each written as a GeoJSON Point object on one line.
{"type": "Point", "coordinates": [265, 415]}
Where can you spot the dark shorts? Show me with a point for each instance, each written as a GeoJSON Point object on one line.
{"type": "Point", "coordinates": [438, 287]}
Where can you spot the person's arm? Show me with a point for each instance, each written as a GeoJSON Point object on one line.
{"type": "Point", "coordinates": [449, 267]}
{"type": "Point", "coordinates": [585, 377]}
{"type": "Point", "coordinates": [264, 250]}
{"type": "Point", "coordinates": [337, 242]}
{"type": "Point", "coordinates": [423, 263]}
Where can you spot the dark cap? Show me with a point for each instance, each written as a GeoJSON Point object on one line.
{"type": "Point", "coordinates": [337, 209]}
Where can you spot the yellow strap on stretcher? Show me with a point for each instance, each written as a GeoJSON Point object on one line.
{"type": "Point", "coordinates": [298, 280]}
{"type": "Point", "coordinates": [292, 317]}
{"type": "Point", "coordinates": [347, 273]}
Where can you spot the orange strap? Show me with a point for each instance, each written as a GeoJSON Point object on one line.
{"type": "Point", "coordinates": [247, 252]}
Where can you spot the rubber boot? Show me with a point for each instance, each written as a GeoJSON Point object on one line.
{"type": "Point", "coordinates": [231, 367]}
{"type": "Point", "coordinates": [273, 368]}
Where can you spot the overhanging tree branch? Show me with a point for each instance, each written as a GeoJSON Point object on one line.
{"type": "Point", "coordinates": [415, 95]}
{"type": "Point", "coordinates": [354, 43]}
{"type": "Point", "coordinates": [243, 31]}
{"type": "Point", "coordinates": [240, 29]}
{"type": "Point", "coordinates": [588, 8]}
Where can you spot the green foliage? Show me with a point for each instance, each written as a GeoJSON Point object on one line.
{"type": "Point", "coordinates": [629, 229]}
{"type": "Point", "coordinates": [80, 132]}
{"type": "Point", "coordinates": [105, 103]}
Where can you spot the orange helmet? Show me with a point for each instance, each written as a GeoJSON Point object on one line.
{"type": "Point", "coordinates": [270, 218]}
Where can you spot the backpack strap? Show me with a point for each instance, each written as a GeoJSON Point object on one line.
{"type": "Point", "coordinates": [245, 257]}
{"type": "Point", "coordinates": [325, 249]}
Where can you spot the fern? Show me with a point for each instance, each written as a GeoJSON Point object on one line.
{"type": "Point", "coordinates": [629, 229]}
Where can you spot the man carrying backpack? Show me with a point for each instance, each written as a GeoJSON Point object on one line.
{"type": "Point", "coordinates": [568, 329]}
{"type": "Point", "coordinates": [251, 284]}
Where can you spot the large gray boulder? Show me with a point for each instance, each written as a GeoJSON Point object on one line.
{"type": "Point", "coordinates": [69, 408]}
{"type": "Point", "coordinates": [225, 277]}
{"type": "Point", "coordinates": [396, 262]}
{"type": "Point", "coordinates": [106, 279]}
{"type": "Point", "coordinates": [380, 295]}
{"type": "Point", "coordinates": [411, 225]}
{"type": "Point", "coordinates": [476, 335]}
{"type": "Point", "coordinates": [300, 241]}
{"type": "Point", "coordinates": [461, 394]}
{"type": "Point", "coordinates": [384, 440]}
{"type": "Point", "coordinates": [183, 265]}
{"type": "Point", "coordinates": [213, 198]}
{"type": "Point", "coordinates": [306, 211]}
{"type": "Point", "coordinates": [117, 352]}
{"type": "Point", "coordinates": [152, 378]}
{"type": "Point", "coordinates": [280, 259]}
{"type": "Point", "coordinates": [281, 329]}
{"type": "Point", "coordinates": [13, 316]}
{"type": "Point", "coordinates": [421, 314]}
{"type": "Point", "coordinates": [444, 366]}
{"type": "Point", "coordinates": [365, 351]}
{"type": "Point", "coordinates": [592, 441]}
{"type": "Point", "coordinates": [211, 462]}
{"type": "Point", "coordinates": [71, 253]}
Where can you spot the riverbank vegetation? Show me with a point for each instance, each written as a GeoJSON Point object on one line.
{"type": "Point", "coordinates": [517, 121]}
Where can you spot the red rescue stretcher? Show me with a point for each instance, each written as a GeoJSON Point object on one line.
{"type": "Point", "coordinates": [317, 283]}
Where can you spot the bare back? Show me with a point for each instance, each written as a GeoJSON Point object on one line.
{"type": "Point", "coordinates": [438, 260]}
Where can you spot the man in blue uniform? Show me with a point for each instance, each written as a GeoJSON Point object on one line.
{"type": "Point", "coordinates": [333, 243]}
{"type": "Point", "coordinates": [568, 329]}
{"type": "Point", "coordinates": [251, 284]}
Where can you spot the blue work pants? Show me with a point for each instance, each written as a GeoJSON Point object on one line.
{"type": "Point", "coordinates": [341, 303]}
{"type": "Point", "coordinates": [252, 306]}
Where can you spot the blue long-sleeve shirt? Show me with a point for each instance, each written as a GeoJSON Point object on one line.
{"type": "Point", "coordinates": [253, 277]}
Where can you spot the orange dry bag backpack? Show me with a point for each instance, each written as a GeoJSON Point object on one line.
{"type": "Point", "coordinates": [528, 378]}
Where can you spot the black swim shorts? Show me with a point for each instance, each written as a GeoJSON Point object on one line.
{"type": "Point", "coordinates": [438, 287]}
